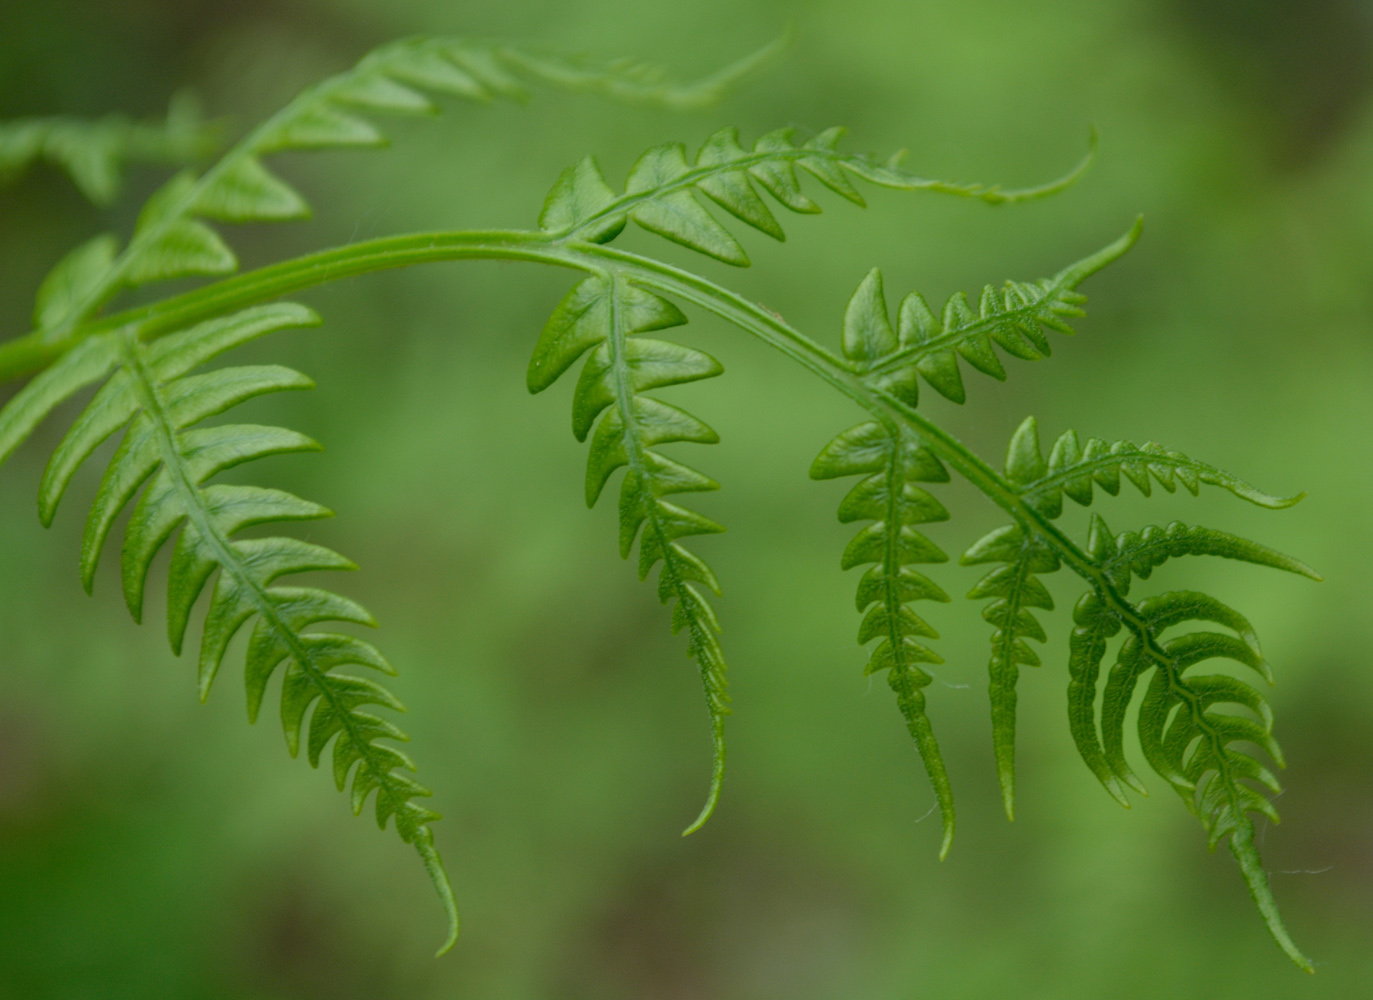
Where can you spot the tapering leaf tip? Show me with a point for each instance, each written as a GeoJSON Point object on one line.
{"type": "Point", "coordinates": [717, 777]}
{"type": "Point", "coordinates": [947, 842]}
{"type": "Point", "coordinates": [433, 864]}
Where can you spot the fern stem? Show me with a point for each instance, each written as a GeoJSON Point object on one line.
{"type": "Point", "coordinates": [230, 562]}
{"type": "Point", "coordinates": [31, 353]}
{"type": "Point", "coordinates": [23, 356]}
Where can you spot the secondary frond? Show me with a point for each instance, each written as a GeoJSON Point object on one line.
{"type": "Point", "coordinates": [1076, 471]}
{"type": "Point", "coordinates": [1015, 318]}
{"type": "Point", "coordinates": [608, 315]}
{"type": "Point", "coordinates": [1015, 589]}
{"type": "Point", "coordinates": [660, 193]}
{"type": "Point", "coordinates": [150, 393]}
{"type": "Point", "coordinates": [1136, 554]}
{"type": "Point", "coordinates": [94, 152]}
{"type": "Point", "coordinates": [1184, 740]}
{"type": "Point", "coordinates": [892, 462]}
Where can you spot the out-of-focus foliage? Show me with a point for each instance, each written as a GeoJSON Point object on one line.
{"type": "Point", "coordinates": [94, 153]}
{"type": "Point", "coordinates": [1242, 321]}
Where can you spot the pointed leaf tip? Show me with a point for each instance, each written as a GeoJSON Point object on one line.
{"type": "Point", "coordinates": [947, 843]}
{"type": "Point", "coordinates": [868, 334]}
{"type": "Point", "coordinates": [717, 777]}
{"type": "Point", "coordinates": [1075, 274]}
{"type": "Point", "coordinates": [433, 864]}
{"type": "Point", "coordinates": [1024, 460]}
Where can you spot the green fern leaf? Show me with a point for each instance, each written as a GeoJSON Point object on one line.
{"type": "Point", "coordinates": [153, 396]}
{"type": "Point", "coordinates": [1015, 589]}
{"type": "Point", "coordinates": [85, 364]}
{"type": "Point", "coordinates": [171, 242]}
{"type": "Point", "coordinates": [1137, 554]}
{"type": "Point", "coordinates": [891, 464]}
{"type": "Point", "coordinates": [1076, 472]}
{"type": "Point", "coordinates": [1184, 741]}
{"type": "Point", "coordinates": [660, 193]}
{"type": "Point", "coordinates": [1014, 319]}
{"type": "Point", "coordinates": [1187, 743]}
{"type": "Point", "coordinates": [93, 153]}
{"type": "Point", "coordinates": [608, 316]}
{"type": "Point", "coordinates": [1193, 728]}
{"type": "Point", "coordinates": [73, 279]}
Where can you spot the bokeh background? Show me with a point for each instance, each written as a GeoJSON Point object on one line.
{"type": "Point", "coordinates": [154, 847]}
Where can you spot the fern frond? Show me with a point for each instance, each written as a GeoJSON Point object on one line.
{"type": "Point", "coordinates": [1121, 558]}
{"type": "Point", "coordinates": [608, 316]}
{"type": "Point", "coordinates": [1184, 740]}
{"type": "Point", "coordinates": [1076, 471]}
{"type": "Point", "coordinates": [892, 462]}
{"type": "Point", "coordinates": [1015, 318]}
{"type": "Point", "coordinates": [93, 153]}
{"type": "Point", "coordinates": [1192, 727]}
{"type": "Point", "coordinates": [1138, 553]}
{"type": "Point", "coordinates": [660, 192]}
{"type": "Point", "coordinates": [172, 239]}
{"type": "Point", "coordinates": [1187, 742]}
{"type": "Point", "coordinates": [1015, 589]}
{"type": "Point", "coordinates": [149, 391]}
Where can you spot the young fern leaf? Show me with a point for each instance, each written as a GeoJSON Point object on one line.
{"type": "Point", "coordinates": [1015, 589]}
{"type": "Point", "coordinates": [93, 153]}
{"type": "Point", "coordinates": [608, 316]}
{"type": "Point", "coordinates": [1014, 318]}
{"type": "Point", "coordinates": [150, 393]}
{"type": "Point", "coordinates": [1075, 472]}
{"type": "Point", "coordinates": [892, 462]}
{"type": "Point", "coordinates": [659, 193]}
{"type": "Point", "coordinates": [1139, 553]}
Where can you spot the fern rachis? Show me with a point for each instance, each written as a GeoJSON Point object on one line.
{"type": "Point", "coordinates": [616, 316]}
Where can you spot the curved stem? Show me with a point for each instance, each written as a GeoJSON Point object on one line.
{"type": "Point", "coordinates": [28, 354]}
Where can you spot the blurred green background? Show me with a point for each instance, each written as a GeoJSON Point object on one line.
{"type": "Point", "coordinates": [152, 847]}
